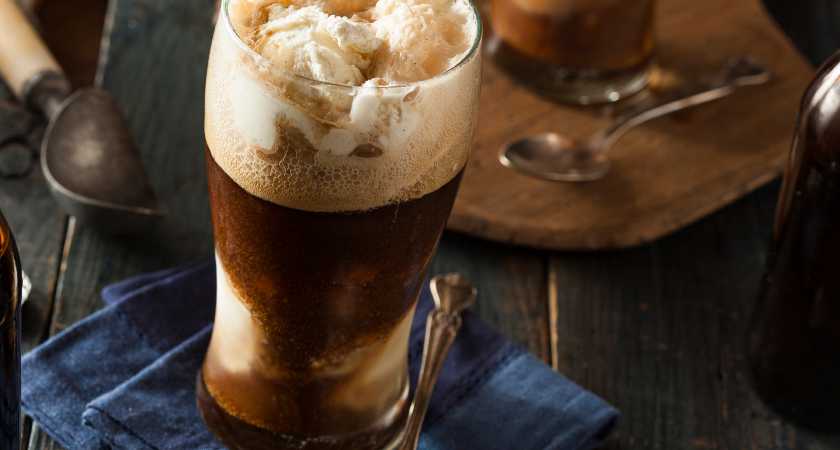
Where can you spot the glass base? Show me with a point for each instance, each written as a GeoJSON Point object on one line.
{"type": "Point", "coordinates": [571, 86]}
{"type": "Point", "coordinates": [238, 435]}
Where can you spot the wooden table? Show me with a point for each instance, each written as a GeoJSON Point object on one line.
{"type": "Point", "coordinates": [657, 330]}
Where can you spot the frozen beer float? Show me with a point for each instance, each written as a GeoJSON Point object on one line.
{"type": "Point", "coordinates": [336, 135]}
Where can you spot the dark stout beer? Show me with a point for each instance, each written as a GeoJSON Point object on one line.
{"type": "Point", "coordinates": [10, 285]}
{"type": "Point", "coordinates": [329, 285]}
{"type": "Point", "coordinates": [795, 337]}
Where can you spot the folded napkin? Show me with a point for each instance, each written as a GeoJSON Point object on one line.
{"type": "Point", "coordinates": [124, 378]}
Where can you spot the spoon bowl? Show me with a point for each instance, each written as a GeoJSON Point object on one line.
{"type": "Point", "coordinates": [93, 168]}
{"type": "Point", "coordinates": [553, 157]}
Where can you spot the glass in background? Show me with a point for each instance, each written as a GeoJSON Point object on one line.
{"type": "Point", "coordinates": [576, 51]}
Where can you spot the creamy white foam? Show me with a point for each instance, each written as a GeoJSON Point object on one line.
{"type": "Point", "coordinates": [356, 146]}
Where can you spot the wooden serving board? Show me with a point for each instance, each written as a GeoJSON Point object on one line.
{"type": "Point", "coordinates": [666, 174]}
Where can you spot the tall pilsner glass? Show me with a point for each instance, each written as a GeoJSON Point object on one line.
{"type": "Point", "coordinates": [328, 202]}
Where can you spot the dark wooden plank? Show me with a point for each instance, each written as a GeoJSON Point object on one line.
{"type": "Point", "coordinates": [659, 331]}
{"type": "Point", "coordinates": [156, 65]}
{"type": "Point", "coordinates": [811, 24]}
{"type": "Point", "coordinates": [511, 283]}
{"type": "Point", "coordinates": [38, 226]}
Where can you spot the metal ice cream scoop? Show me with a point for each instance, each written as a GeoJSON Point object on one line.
{"type": "Point", "coordinates": [452, 294]}
{"type": "Point", "coordinates": [88, 157]}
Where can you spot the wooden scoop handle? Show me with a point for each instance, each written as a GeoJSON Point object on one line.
{"type": "Point", "coordinates": [23, 54]}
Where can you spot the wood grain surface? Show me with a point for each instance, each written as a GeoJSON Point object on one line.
{"type": "Point", "coordinates": [667, 173]}
{"type": "Point", "coordinates": [513, 287]}
{"type": "Point", "coordinates": [38, 226]}
{"type": "Point", "coordinates": [655, 330]}
{"type": "Point", "coordinates": [659, 332]}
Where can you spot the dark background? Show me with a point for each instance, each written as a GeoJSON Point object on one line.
{"type": "Point", "coordinates": [813, 25]}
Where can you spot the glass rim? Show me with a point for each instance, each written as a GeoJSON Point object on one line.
{"type": "Point", "coordinates": [474, 49]}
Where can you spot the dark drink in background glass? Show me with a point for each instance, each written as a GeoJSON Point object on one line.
{"type": "Point", "coordinates": [794, 341]}
{"type": "Point", "coordinates": [10, 302]}
{"type": "Point", "coordinates": [578, 51]}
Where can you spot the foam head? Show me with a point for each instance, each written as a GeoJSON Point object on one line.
{"type": "Point", "coordinates": [318, 111]}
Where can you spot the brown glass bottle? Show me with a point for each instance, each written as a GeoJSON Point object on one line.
{"type": "Point", "coordinates": [10, 286]}
{"type": "Point", "coordinates": [794, 340]}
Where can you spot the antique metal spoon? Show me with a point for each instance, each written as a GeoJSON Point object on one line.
{"type": "Point", "coordinates": [554, 157]}
{"type": "Point", "coordinates": [452, 294]}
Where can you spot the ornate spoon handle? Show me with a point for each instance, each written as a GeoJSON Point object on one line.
{"type": "Point", "coordinates": [737, 73]}
{"type": "Point", "coordinates": [452, 294]}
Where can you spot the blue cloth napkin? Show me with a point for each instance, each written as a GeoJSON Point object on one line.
{"type": "Point", "coordinates": [124, 378]}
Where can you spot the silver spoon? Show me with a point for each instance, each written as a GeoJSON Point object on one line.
{"type": "Point", "coordinates": [554, 157]}
{"type": "Point", "coordinates": [452, 294]}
